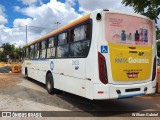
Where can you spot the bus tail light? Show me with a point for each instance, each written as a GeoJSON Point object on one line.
{"type": "Point", "coordinates": [154, 69]}
{"type": "Point", "coordinates": [102, 69]}
{"type": "Point", "coordinates": [100, 92]}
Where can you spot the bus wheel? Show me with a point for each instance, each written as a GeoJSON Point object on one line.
{"type": "Point", "coordinates": [26, 72]}
{"type": "Point", "coordinates": [49, 83]}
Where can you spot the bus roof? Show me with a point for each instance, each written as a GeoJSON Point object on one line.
{"type": "Point", "coordinates": [82, 19]}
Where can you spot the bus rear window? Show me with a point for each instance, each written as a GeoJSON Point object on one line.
{"type": "Point", "coordinates": [126, 29]}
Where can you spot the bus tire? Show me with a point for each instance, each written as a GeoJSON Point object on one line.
{"type": "Point", "coordinates": [49, 83]}
{"type": "Point", "coordinates": [26, 72]}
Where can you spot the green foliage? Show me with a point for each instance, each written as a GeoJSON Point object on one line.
{"type": "Point", "coordinates": [13, 52]}
{"type": "Point", "coordinates": [149, 8]}
{"type": "Point", "coordinates": [2, 56]}
{"type": "Point", "coordinates": [158, 44]}
{"type": "Point", "coordinates": [158, 34]}
{"type": "Point", "coordinates": [158, 49]}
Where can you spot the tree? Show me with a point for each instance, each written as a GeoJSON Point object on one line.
{"type": "Point", "coordinates": [149, 8]}
{"type": "Point", "coordinates": [158, 34]}
{"type": "Point", "coordinates": [13, 52]}
{"type": "Point", "coordinates": [2, 56]}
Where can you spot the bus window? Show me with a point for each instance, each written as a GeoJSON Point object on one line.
{"type": "Point", "coordinates": [63, 46]}
{"type": "Point", "coordinates": [23, 53]}
{"type": "Point", "coordinates": [43, 49]}
{"type": "Point", "coordinates": [63, 38]}
{"type": "Point", "coordinates": [51, 48]}
{"type": "Point", "coordinates": [27, 52]}
{"type": "Point", "coordinates": [80, 33]}
{"type": "Point", "coordinates": [80, 41]}
{"type": "Point", "coordinates": [36, 53]}
{"type": "Point", "coordinates": [32, 51]}
{"type": "Point", "coordinates": [79, 49]}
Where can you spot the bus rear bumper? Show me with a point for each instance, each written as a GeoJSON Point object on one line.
{"type": "Point", "coordinates": [112, 91]}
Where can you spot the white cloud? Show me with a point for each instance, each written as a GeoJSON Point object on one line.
{"type": "Point", "coordinates": [90, 5]}
{"type": "Point", "coordinates": [71, 2]}
{"type": "Point", "coordinates": [3, 18]}
{"type": "Point", "coordinates": [28, 2]}
{"type": "Point", "coordinates": [11, 36]}
{"type": "Point", "coordinates": [16, 8]}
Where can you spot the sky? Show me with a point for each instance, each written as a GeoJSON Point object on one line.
{"type": "Point", "coordinates": [40, 16]}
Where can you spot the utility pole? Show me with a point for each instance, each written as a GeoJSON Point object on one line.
{"type": "Point", "coordinates": [58, 23]}
{"type": "Point", "coordinates": [26, 35]}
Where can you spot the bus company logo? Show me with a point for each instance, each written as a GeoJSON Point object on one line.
{"type": "Point", "coordinates": [52, 65]}
{"type": "Point", "coordinates": [131, 60]}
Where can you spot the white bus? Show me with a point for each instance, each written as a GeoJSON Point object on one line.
{"type": "Point", "coordinates": [102, 55]}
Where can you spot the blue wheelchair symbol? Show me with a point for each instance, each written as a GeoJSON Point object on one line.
{"type": "Point", "coordinates": [104, 49]}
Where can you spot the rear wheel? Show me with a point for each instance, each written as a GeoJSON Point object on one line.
{"type": "Point", "coordinates": [26, 72]}
{"type": "Point", "coordinates": [49, 83]}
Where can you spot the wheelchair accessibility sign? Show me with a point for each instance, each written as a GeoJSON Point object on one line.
{"type": "Point", "coordinates": [104, 49]}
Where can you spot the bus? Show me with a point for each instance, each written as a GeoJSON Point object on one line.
{"type": "Point", "coordinates": [102, 55]}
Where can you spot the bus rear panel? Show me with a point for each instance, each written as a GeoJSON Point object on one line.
{"type": "Point", "coordinates": [126, 57]}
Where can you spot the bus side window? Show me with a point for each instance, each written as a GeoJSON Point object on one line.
{"type": "Point", "coordinates": [80, 43]}
{"type": "Point", "coordinates": [72, 35]}
{"type": "Point", "coordinates": [36, 53]}
{"type": "Point", "coordinates": [62, 38]}
{"type": "Point", "coordinates": [63, 46]}
{"type": "Point", "coordinates": [81, 33]}
{"type": "Point", "coordinates": [43, 49]}
{"type": "Point", "coordinates": [32, 52]}
{"type": "Point", "coordinates": [87, 31]}
{"type": "Point", "coordinates": [27, 52]}
{"type": "Point", "coordinates": [23, 53]}
{"type": "Point", "coordinates": [51, 47]}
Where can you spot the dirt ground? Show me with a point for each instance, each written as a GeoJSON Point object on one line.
{"type": "Point", "coordinates": [9, 79]}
